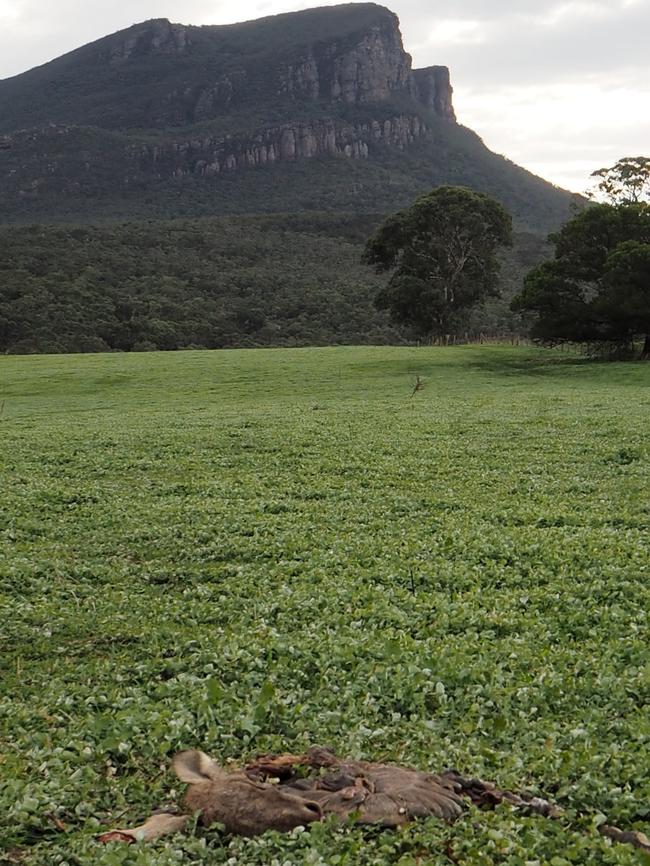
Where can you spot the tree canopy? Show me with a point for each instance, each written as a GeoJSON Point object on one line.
{"type": "Point", "coordinates": [625, 182]}
{"type": "Point", "coordinates": [442, 254]}
{"type": "Point", "coordinates": [597, 287]}
{"type": "Point", "coordinates": [225, 281]}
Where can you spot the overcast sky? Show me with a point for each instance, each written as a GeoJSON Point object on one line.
{"type": "Point", "coordinates": [559, 86]}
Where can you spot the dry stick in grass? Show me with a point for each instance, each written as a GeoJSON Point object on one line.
{"type": "Point", "coordinates": [419, 385]}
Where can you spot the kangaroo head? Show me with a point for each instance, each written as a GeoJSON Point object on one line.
{"type": "Point", "coordinates": [244, 806]}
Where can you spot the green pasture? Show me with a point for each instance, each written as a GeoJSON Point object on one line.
{"type": "Point", "coordinates": [246, 551]}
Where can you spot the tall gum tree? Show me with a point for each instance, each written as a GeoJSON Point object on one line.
{"type": "Point", "coordinates": [442, 252]}
{"type": "Point", "coordinates": [597, 287]}
{"type": "Point", "coordinates": [625, 182]}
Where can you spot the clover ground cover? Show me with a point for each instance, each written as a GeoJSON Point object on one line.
{"type": "Point", "coordinates": [249, 551]}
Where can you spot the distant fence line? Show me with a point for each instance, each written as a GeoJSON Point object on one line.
{"type": "Point", "coordinates": [477, 339]}
{"type": "Point", "coordinates": [624, 350]}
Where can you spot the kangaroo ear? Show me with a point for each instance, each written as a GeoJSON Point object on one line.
{"type": "Point", "coordinates": [193, 766]}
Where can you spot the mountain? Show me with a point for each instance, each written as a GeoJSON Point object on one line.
{"type": "Point", "coordinates": [317, 110]}
{"type": "Point", "coordinates": [158, 75]}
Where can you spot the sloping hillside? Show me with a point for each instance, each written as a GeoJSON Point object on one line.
{"type": "Point", "coordinates": [313, 110]}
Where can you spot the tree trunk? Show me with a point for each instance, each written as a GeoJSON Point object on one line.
{"type": "Point", "coordinates": [645, 351]}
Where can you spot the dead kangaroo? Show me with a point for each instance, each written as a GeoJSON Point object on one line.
{"type": "Point", "coordinates": [248, 805]}
{"type": "Point", "coordinates": [245, 803]}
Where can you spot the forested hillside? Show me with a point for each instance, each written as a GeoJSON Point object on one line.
{"type": "Point", "coordinates": [214, 186]}
{"type": "Point", "coordinates": [246, 281]}
{"type": "Point", "coordinates": [392, 179]}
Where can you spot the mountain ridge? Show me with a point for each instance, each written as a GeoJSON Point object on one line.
{"type": "Point", "coordinates": [342, 56]}
{"type": "Point", "coordinates": [205, 120]}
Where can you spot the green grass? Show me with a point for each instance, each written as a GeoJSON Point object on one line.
{"type": "Point", "coordinates": [254, 550]}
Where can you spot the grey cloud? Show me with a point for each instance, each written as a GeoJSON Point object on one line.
{"type": "Point", "coordinates": [518, 50]}
{"type": "Point", "coordinates": [39, 33]}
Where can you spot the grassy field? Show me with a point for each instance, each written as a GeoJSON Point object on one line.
{"type": "Point", "coordinates": [247, 551]}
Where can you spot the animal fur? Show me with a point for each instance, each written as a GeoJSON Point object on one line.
{"type": "Point", "coordinates": [272, 794]}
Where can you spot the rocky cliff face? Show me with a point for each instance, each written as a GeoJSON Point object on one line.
{"type": "Point", "coordinates": [215, 100]}
{"type": "Point", "coordinates": [77, 161]}
{"type": "Point", "coordinates": [364, 67]}
{"type": "Point", "coordinates": [369, 71]}
{"type": "Point", "coordinates": [433, 89]}
{"type": "Point", "coordinates": [209, 156]}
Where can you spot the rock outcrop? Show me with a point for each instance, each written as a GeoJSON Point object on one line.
{"type": "Point", "coordinates": [162, 101]}
{"type": "Point", "coordinates": [158, 36]}
{"type": "Point", "coordinates": [369, 71]}
{"type": "Point", "coordinates": [365, 67]}
{"type": "Point", "coordinates": [368, 65]}
{"type": "Point", "coordinates": [173, 75]}
{"type": "Point", "coordinates": [78, 161]}
{"type": "Point", "coordinates": [363, 70]}
{"type": "Point", "coordinates": [209, 156]}
{"type": "Point", "coordinates": [433, 89]}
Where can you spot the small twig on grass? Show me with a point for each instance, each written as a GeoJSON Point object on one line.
{"type": "Point", "coordinates": [58, 823]}
{"type": "Point", "coordinates": [419, 385]}
{"type": "Point", "coordinates": [411, 581]}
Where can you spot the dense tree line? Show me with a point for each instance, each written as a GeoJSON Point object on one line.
{"type": "Point", "coordinates": [170, 285]}
{"type": "Point", "coordinates": [596, 289]}
{"type": "Point", "coordinates": [263, 281]}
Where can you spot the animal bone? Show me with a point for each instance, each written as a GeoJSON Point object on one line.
{"type": "Point", "coordinates": [157, 825]}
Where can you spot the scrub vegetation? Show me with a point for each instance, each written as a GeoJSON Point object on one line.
{"type": "Point", "coordinates": [252, 551]}
{"type": "Point", "coordinates": [212, 283]}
